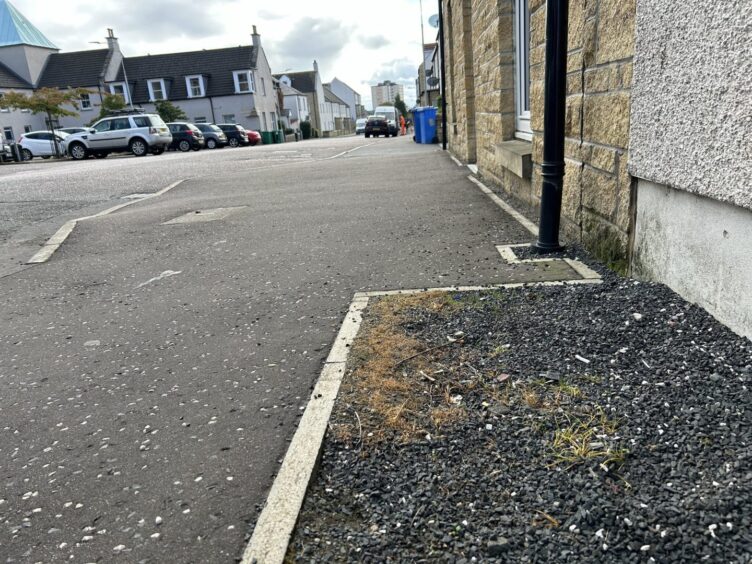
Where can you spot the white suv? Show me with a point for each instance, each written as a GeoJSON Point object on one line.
{"type": "Point", "coordinates": [139, 134]}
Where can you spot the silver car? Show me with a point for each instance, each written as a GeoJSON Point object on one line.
{"type": "Point", "coordinates": [139, 134]}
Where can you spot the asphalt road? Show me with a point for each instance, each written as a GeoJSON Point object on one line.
{"type": "Point", "coordinates": [152, 374]}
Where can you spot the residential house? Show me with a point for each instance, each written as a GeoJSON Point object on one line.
{"type": "Point", "coordinates": [309, 83]}
{"type": "Point", "coordinates": [350, 96]}
{"type": "Point", "coordinates": [295, 105]}
{"type": "Point", "coordinates": [217, 85]}
{"type": "Point", "coordinates": [657, 131]}
{"type": "Point", "coordinates": [230, 85]}
{"type": "Point", "coordinates": [336, 115]}
{"type": "Point", "coordinates": [427, 83]}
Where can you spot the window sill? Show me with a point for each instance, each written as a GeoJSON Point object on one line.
{"type": "Point", "coordinates": [517, 156]}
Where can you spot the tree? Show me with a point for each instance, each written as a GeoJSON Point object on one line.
{"type": "Point", "coordinates": [110, 103]}
{"type": "Point", "coordinates": [48, 101]}
{"type": "Point", "coordinates": [169, 111]}
{"type": "Point", "coordinates": [400, 105]}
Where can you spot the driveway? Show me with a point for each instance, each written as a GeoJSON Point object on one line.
{"type": "Point", "coordinates": [153, 373]}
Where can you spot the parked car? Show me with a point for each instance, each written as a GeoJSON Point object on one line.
{"type": "Point", "coordinates": [72, 130]}
{"type": "Point", "coordinates": [392, 118]}
{"type": "Point", "coordinates": [132, 132]}
{"type": "Point", "coordinates": [360, 126]}
{"type": "Point", "coordinates": [236, 134]}
{"type": "Point", "coordinates": [213, 135]}
{"type": "Point", "coordinates": [377, 125]}
{"type": "Point", "coordinates": [42, 144]}
{"type": "Point", "coordinates": [254, 137]}
{"type": "Point", "coordinates": [185, 136]}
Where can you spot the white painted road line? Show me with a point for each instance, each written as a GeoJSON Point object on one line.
{"type": "Point", "coordinates": [343, 153]}
{"type": "Point", "coordinates": [275, 525]}
{"type": "Point", "coordinates": [526, 223]}
{"type": "Point", "coordinates": [54, 242]}
{"type": "Point", "coordinates": [456, 160]}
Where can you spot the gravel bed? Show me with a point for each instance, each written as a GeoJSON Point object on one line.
{"type": "Point", "coordinates": [605, 423]}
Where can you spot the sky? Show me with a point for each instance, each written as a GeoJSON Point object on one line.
{"type": "Point", "coordinates": [361, 43]}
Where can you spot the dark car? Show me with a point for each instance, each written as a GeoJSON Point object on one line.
{"type": "Point", "coordinates": [185, 136]}
{"type": "Point", "coordinates": [213, 135]}
{"type": "Point", "coordinates": [236, 134]}
{"type": "Point", "coordinates": [377, 125]}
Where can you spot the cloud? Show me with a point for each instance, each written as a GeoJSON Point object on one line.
{"type": "Point", "coordinates": [322, 39]}
{"type": "Point", "coordinates": [192, 20]}
{"type": "Point", "coordinates": [374, 41]}
{"type": "Point", "coordinates": [268, 15]}
{"type": "Point", "coordinates": [401, 70]}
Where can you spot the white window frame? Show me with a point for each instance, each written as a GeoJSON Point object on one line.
{"type": "Point", "coordinates": [200, 119]}
{"type": "Point", "coordinates": [163, 89]}
{"type": "Point", "coordinates": [522, 70]}
{"type": "Point", "coordinates": [236, 75]}
{"type": "Point", "coordinates": [124, 93]}
{"type": "Point", "coordinates": [225, 118]}
{"type": "Point", "coordinates": [201, 84]}
{"type": "Point", "coordinates": [263, 86]}
{"type": "Point", "coordinates": [83, 101]}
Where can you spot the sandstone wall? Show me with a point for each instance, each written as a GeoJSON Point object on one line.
{"type": "Point", "coordinates": [597, 190]}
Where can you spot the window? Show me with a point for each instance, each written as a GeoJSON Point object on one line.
{"type": "Point", "coordinates": [157, 90]}
{"type": "Point", "coordinates": [85, 102]}
{"type": "Point", "coordinates": [243, 81]}
{"type": "Point", "coordinates": [522, 69]}
{"type": "Point", "coordinates": [4, 110]}
{"type": "Point", "coordinates": [103, 126]}
{"type": "Point", "coordinates": [263, 86]}
{"type": "Point", "coordinates": [120, 124]}
{"type": "Point", "coordinates": [228, 118]}
{"type": "Point", "coordinates": [263, 117]}
{"type": "Point", "coordinates": [275, 125]}
{"type": "Point", "coordinates": [8, 132]}
{"type": "Point", "coordinates": [200, 119]}
{"type": "Point", "coordinates": [119, 88]}
{"type": "Point", "coordinates": [27, 128]}
{"type": "Point", "coordinates": [141, 121]}
{"type": "Point", "coordinates": [195, 86]}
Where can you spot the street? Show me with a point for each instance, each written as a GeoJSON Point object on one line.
{"type": "Point", "coordinates": [153, 372]}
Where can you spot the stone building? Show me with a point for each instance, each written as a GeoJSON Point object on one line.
{"type": "Point", "coordinates": [385, 92]}
{"type": "Point", "coordinates": [657, 131]}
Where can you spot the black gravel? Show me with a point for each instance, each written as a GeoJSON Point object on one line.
{"type": "Point", "coordinates": [672, 382]}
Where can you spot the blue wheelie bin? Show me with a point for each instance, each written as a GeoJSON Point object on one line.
{"type": "Point", "coordinates": [417, 122]}
{"type": "Point", "coordinates": [427, 117]}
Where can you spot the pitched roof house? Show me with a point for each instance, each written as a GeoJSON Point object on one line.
{"type": "Point", "coordinates": [309, 83]}
{"type": "Point", "coordinates": [217, 85]}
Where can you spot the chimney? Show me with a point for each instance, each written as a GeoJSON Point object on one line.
{"type": "Point", "coordinates": [255, 38]}
{"type": "Point", "coordinates": [315, 66]}
{"type": "Point", "coordinates": [112, 41]}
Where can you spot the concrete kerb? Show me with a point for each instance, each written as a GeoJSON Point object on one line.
{"type": "Point", "coordinates": [53, 243]}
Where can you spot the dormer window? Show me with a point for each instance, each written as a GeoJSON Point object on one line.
{"type": "Point", "coordinates": [244, 81]}
{"type": "Point", "coordinates": [119, 88]}
{"type": "Point", "coordinates": [195, 86]}
{"type": "Point", "coordinates": [157, 89]}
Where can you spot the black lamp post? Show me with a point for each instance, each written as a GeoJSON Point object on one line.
{"type": "Point", "coordinates": [552, 167]}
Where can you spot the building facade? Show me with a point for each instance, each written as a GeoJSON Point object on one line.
{"type": "Point", "coordinates": [218, 85]}
{"type": "Point", "coordinates": [309, 83]}
{"type": "Point", "coordinates": [349, 95]}
{"type": "Point", "coordinates": [656, 145]}
{"type": "Point", "coordinates": [429, 77]}
{"type": "Point", "coordinates": [385, 92]}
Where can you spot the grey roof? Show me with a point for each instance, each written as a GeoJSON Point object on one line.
{"type": "Point", "coordinates": [289, 90]}
{"type": "Point", "coordinates": [15, 29]}
{"type": "Point", "coordinates": [78, 68]}
{"type": "Point", "coordinates": [9, 79]}
{"type": "Point", "coordinates": [216, 65]}
{"type": "Point", "coordinates": [304, 81]}
{"type": "Point", "coordinates": [330, 96]}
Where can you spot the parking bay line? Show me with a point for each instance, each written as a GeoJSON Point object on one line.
{"type": "Point", "coordinates": [54, 242]}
